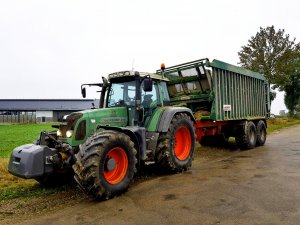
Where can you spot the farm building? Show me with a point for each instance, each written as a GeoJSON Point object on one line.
{"type": "Point", "coordinates": [40, 110]}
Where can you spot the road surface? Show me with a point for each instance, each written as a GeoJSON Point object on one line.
{"type": "Point", "coordinates": [260, 186]}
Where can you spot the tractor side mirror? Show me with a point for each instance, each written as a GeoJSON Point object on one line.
{"type": "Point", "coordinates": [83, 92]}
{"type": "Point", "coordinates": [105, 82]}
{"type": "Point", "coordinates": [147, 87]}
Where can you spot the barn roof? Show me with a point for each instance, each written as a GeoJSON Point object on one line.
{"type": "Point", "coordinates": [46, 104]}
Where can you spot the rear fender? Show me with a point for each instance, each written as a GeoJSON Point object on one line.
{"type": "Point", "coordinates": [168, 115]}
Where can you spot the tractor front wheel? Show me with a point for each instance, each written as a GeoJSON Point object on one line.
{"type": "Point", "coordinates": [105, 164]}
{"type": "Point", "coordinates": [176, 147]}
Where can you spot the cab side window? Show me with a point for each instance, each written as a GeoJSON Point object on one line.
{"type": "Point", "coordinates": [149, 99]}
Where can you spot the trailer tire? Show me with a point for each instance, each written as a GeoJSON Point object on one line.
{"type": "Point", "coordinates": [175, 148]}
{"type": "Point", "coordinates": [261, 133]}
{"type": "Point", "coordinates": [248, 136]}
{"type": "Point", "coordinates": [105, 164]}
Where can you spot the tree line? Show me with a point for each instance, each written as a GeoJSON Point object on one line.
{"type": "Point", "coordinates": [273, 53]}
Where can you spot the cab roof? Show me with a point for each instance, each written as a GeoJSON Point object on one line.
{"type": "Point", "coordinates": [123, 74]}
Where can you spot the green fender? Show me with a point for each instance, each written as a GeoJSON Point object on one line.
{"type": "Point", "coordinates": [162, 118]}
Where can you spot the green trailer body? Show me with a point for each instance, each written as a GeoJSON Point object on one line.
{"type": "Point", "coordinates": [218, 90]}
{"type": "Point", "coordinates": [238, 93]}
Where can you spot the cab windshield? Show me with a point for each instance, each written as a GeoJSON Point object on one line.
{"type": "Point", "coordinates": [122, 94]}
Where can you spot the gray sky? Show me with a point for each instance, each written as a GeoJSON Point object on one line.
{"type": "Point", "coordinates": [49, 48]}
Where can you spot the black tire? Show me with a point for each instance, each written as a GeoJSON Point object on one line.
{"type": "Point", "coordinates": [176, 147]}
{"type": "Point", "coordinates": [261, 133]}
{"type": "Point", "coordinates": [247, 137]}
{"type": "Point", "coordinates": [105, 164]}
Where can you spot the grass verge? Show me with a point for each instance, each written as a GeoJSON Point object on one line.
{"type": "Point", "coordinates": [275, 124]}
{"type": "Point", "coordinates": [14, 187]}
{"type": "Point", "coordinates": [13, 135]}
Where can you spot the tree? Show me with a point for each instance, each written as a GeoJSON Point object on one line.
{"type": "Point", "coordinates": [298, 106]}
{"type": "Point", "coordinates": [272, 53]}
{"type": "Point", "coordinates": [292, 91]}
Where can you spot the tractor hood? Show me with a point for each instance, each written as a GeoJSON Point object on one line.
{"type": "Point", "coordinates": [87, 121]}
{"type": "Point", "coordinates": [117, 116]}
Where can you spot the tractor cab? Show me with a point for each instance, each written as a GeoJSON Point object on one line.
{"type": "Point", "coordinates": [140, 93]}
{"type": "Point", "coordinates": [127, 99]}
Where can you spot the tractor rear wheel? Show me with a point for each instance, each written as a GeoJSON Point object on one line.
{"type": "Point", "coordinates": [247, 137]}
{"type": "Point", "coordinates": [176, 147]}
{"type": "Point", "coordinates": [105, 164]}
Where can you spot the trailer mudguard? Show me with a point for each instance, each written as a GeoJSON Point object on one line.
{"type": "Point", "coordinates": [168, 115]}
{"type": "Point", "coordinates": [31, 161]}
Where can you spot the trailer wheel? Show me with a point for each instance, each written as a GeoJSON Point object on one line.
{"type": "Point", "coordinates": [105, 164]}
{"type": "Point", "coordinates": [248, 136]}
{"type": "Point", "coordinates": [261, 133]}
{"type": "Point", "coordinates": [176, 147]}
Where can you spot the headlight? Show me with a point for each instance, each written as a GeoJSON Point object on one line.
{"type": "Point", "coordinates": [69, 133]}
{"type": "Point", "coordinates": [58, 133]}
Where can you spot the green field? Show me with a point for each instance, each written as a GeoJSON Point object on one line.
{"type": "Point", "coordinates": [15, 135]}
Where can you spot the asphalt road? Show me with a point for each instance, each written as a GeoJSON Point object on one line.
{"type": "Point", "coordinates": [260, 186]}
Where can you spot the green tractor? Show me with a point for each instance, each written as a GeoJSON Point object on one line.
{"type": "Point", "coordinates": [103, 148]}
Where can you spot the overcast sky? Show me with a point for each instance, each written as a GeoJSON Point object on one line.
{"type": "Point", "coordinates": [49, 48]}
